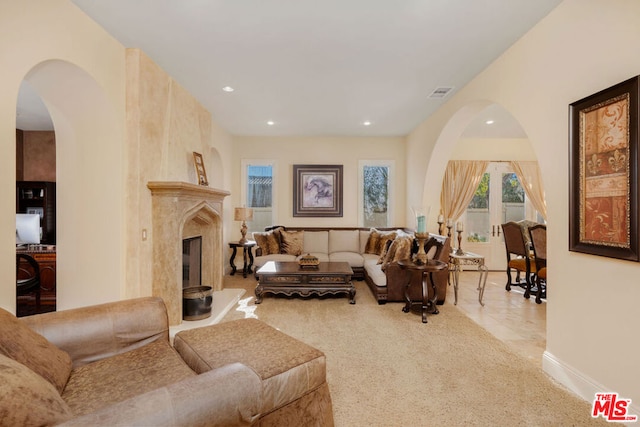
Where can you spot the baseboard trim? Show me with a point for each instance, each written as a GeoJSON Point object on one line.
{"type": "Point", "coordinates": [582, 385]}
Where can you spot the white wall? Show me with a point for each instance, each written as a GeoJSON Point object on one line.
{"type": "Point", "coordinates": [581, 47]}
{"type": "Point", "coordinates": [346, 151]}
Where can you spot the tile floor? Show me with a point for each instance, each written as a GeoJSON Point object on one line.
{"type": "Point", "coordinates": [510, 317]}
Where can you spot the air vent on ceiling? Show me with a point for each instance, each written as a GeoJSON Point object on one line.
{"type": "Point", "coordinates": [440, 92]}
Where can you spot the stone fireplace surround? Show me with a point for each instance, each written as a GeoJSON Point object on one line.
{"type": "Point", "coordinates": [181, 210]}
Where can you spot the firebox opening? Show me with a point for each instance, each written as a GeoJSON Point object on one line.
{"type": "Point", "coordinates": [192, 262]}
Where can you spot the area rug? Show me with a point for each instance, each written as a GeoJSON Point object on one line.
{"type": "Point", "coordinates": [387, 368]}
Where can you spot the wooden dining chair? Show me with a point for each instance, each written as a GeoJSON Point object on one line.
{"type": "Point", "coordinates": [519, 257]}
{"type": "Point", "coordinates": [538, 234]}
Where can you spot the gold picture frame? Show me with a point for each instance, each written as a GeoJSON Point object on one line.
{"type": "Point", "coordinates": [201, 173]}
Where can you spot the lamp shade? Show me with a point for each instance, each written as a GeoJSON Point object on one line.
{"type": "Point", "coordinates": [243, 214]}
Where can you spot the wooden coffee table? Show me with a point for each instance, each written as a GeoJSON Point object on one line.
{"type": "Point", "coordinates": [288, 278]}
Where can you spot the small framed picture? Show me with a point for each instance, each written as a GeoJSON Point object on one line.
{"type": "Point", "coordinates": [201, 174]}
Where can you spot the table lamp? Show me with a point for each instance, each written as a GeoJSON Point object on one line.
{"type": "Point", "coordinates": [243, 214]}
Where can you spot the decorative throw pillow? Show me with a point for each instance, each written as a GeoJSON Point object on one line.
{"type": "Point", "coordinates": [292, 242]}
{"type": "Point", "coordinates": [384, 252]}
{"type": "Point", "coordinates": [268, 241]}
{"type": "Point", "coordinates": [27, 399]}
{"type": "Point", "coordinates": [377, 241]}
{"type": "Point", "coordinates": [399, 249]}
{"type": "Point", "coordinates": [22, 344]}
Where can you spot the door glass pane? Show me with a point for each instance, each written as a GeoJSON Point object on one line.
{"type": "Point", "coordinates": [478, 216]}
{"type": "Point", "coordinates": [512, 198]}
{"type": "Point", "coordinates": [259, 196]}
{"type": "Point", "coordinates": [375, 196]}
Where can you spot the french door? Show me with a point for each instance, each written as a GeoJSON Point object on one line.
{"type": "Point", "coordinates": [499, 198]}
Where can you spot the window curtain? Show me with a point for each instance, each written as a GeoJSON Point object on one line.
{"type": "Point", "coordinates": [529, 175]}
{"type": "Point", "coordinates": [461, 179]}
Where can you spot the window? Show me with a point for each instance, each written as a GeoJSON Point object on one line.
{"type": "Point", "coordinates": [374, 193]}
{"type": "Point", "coordinates": [258, 193]}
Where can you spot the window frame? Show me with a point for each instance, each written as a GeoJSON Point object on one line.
{"type": "Point", "coordinates": [245, 163]}
{"type": "Point", "coordinates": [390, 164]}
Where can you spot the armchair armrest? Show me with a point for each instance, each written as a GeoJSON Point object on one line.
{"type": "Point", "coordinates": [227, 396]}
{"type": "Point", "coordinates": [96, 332]}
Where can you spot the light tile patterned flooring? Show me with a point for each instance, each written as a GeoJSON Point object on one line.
{"type": "Point", "coordinates": [519, 322]}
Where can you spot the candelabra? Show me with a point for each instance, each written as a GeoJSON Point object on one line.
{"type": "Point", "coordinates": [459, 251]}
{"type": "Point", "coordinates": [440, 224]}
{"type": "Point", "coordinates": [421, 257]}
{"type": "Point", "coordinates": [459, 228]}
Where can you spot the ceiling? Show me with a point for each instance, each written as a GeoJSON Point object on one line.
{"type": "Point", "coordinates": [319, 67]}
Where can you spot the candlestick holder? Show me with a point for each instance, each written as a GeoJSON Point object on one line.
{"type": "Point", "coordinates": [449, 227]}
{"type": "Point", "coordinates": [421, 257]}
{"type": "Point", "coordinates": [459, 251]}
{"type": "Point", "coordinates": [440, 226]}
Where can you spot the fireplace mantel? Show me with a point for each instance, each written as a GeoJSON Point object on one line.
{"type": "Point", "coordinates": [181, 210]}
{"type": "Point", "coordinates": [185, 189]}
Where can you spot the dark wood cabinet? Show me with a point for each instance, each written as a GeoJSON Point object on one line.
{"type": "Point", "coordinates": [46, 259]}
{"type": "Point", "coordinates": [39, 197]}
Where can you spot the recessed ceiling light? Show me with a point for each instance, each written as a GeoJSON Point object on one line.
{"type": "Point", "coordinates": [366, 123]}
{"type": "Point", "coordinates": [489, 122]}
{"type": "Point", "coordinates": [271, 123]}
{"type": "Point", "coordinates": [228, 89]}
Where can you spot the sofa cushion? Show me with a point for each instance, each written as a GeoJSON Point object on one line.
{"type": "Point", "coordinates": [27, 399]}
{"type": "Point", "coordinates": [374, 272]}
{"type": "Point", "coordinates": [24, 345]}
{"type": "Point", "coordinates": [316, 242]}
{"type": "Point", "coordinates": [353, 258]}
{"type": "Point", "coordinates": [344, 241]}
{"type": "Point", "coordinates": [364, 238]}
{"type": "Point", "coordinates": [123, 376]}
{"type": "Point", "coordinates": [268, 241]}
{"type": "Point", "coordinates": [292, 242]}
{"type": "Point", "coordinates": [377, 240]}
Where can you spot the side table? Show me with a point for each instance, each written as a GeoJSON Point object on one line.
{"type": "Point", "coordinates": [427, 271]}
{"type": "Point", "coordinates": [247, 255]}
{"type": "Point", "coordinates": [468, 258]}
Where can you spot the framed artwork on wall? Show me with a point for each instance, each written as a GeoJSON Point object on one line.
{"type": "Point", "coordinates": [317, 190]}
{"type": "Point", "coordinates": [603, 172]}
{"type": "Point", "coordinates": [201, 173]}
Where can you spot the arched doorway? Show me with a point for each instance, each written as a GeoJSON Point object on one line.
{"type": "Point", "coordinates": [35, 195]}
{"type": "Point", "coordinates": [89, 183]}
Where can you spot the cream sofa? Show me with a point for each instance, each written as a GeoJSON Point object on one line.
{"type": "Point", "coordinates": [365, 249]}
{"type": "Point", "coordinates": [347, 244]}
{"type": "Point", "coordinates": [113, 364]}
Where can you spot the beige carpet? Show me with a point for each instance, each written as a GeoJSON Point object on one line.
{"type": "Point", "coordinates": [387, 368]}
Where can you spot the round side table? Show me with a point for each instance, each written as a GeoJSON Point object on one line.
{"type": "Point", "coordinates": [426, 271]}
{"type": "Point", "coordinates": [246, 254]}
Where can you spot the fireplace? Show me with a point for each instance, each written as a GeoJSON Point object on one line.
{"type": "Point", "coordinates": [180, 211]}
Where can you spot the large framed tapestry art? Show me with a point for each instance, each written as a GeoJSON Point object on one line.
{"type": "Point", "coordinates": [603, 172]}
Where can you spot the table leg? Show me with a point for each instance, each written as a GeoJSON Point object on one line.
{"type": "Point", "coordinates": [407, 306]}
{"type": "Point", "coordinates": [456, 281]}
{"type": "Point", "coordinates": [244, 258]}
{"type": "Point", "coordinates": [259, 291]}
{"type": "Point", "coordinates": [233, 266]}
{"type": "Point", "coordinates": [482, 282]}
{"type": "Point", "coordinates": [250, 267]}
